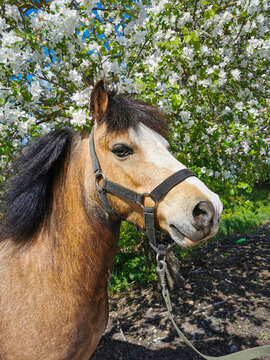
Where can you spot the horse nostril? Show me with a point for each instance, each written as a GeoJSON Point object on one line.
{"type": "Point", "coordinates": [203, 214]}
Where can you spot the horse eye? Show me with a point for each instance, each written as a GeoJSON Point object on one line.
{"type": "Point", "coordinates": [122, 151]}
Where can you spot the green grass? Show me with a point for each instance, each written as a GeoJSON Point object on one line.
{"type": "Point", "coordinates": [244, 213]}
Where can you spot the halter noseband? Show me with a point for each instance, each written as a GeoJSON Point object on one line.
{"type": "Point", "coordinates": [130, 195]}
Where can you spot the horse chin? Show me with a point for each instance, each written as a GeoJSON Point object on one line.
{"type": "Point", "coordinates": [180, 238]}
{"type": "Point", "coordinates": [184, 241]}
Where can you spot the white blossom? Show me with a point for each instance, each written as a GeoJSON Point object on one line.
{"type": "Point", "coordinates": [79, 117]}
{"type": "Point", "coordinates": [210, 71]}
{"type": "Point", "coordinates": [186, 17]}
{"type": "Point", "coordinates": [35, 89]}
{"type": "Point", "coordinates": [236, 74]}
{"type": "Point", "coordinates": [187, 138]}
{"type": "Point", "coordinates": [75, 77]}
{"type": "Point", "coordinates": [185, 115]}
{"type": "Point", "coordinates": [188, 53]}
{"type": "Point", "coordinates": [190, 124]}
{"type": "Point", "coordinates": [226, 174]}
{"type": "Point", "coordinates": [203, 170]}
{"type": "Point", "coordinates": [82, 98]}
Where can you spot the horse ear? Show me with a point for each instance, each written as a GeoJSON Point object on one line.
{"type": "Point", "coordinates": [99, 100]}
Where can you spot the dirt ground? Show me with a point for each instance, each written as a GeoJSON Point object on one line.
{"type": "Point", "coordinates": [223, 307]}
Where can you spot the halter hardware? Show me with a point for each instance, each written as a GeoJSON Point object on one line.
{"type": "Point", "coordinates": [145, 195]}
{"type": "Point", "coordinates": [132, 196]}
{"type": "Point", "coordinates": [98, 177]}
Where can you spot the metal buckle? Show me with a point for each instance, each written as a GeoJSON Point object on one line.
{"type": "Point", "coordinates": [98, 177]}
{"type": "Point", "coordinates": [144, 195]}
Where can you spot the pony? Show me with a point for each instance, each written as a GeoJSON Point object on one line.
{"type": "Point", "coordinates": [58, 243]}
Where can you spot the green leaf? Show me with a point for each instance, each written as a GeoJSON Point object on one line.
{"type": "Point", "coordinates": [176, 100]}
{"type": "Point", "coordinates": [22, 35]}
{"type": "Point", "coordinates": [211, 12]}
{"type": "Point", "coordinates": [243, 185]}
{"type": "Point", "coordinates": [139, 81]}
{"type": "Point", "coordinates": [196, 45]}
{"type": "Point", "coordinates": [187, 38]}
{"type": "Point", "coordinates": [26, 95]}
{"type": "Point", "coordinates": [176, 42]}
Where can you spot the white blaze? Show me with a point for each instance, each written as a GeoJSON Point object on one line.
{"type": "Point", "coordinates": [155, 149]}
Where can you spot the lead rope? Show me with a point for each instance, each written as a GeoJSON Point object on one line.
{"type": "Point", "coordinates": [247, 354]}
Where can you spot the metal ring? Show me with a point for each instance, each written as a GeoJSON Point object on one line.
{"type": "Point", "coordinates": [98, 177]}
{"type": "Point", "coordinates": [143, 199]}
{"type": "Point", "coordinates": [161, 266]}
{"type": "Point", "coordinates": [158, 258]}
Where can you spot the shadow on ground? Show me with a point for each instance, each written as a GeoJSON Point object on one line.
{"type": "Point", "coordinates": [223, 307]}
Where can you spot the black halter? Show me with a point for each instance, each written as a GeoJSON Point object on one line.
{"type": "Point", "coordinates": [155, 195]}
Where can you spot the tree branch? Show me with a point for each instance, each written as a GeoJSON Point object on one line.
{"type": "Point", "coordinates": [55, 83]}
{"type": "Point", "coordinates": [194, 14]}
{"type": "Point", "coordinates": [141, 49]}
{"type": "Point", "coordinates": [108, 9]}
{"type": "Point", "coordinates": [240, 30]}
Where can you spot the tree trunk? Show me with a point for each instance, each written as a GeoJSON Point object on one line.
{"type": "Point", "coordinates": [174, 278]}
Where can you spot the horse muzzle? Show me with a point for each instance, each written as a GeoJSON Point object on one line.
{"type": "Point", "coordinates": [202, 224]}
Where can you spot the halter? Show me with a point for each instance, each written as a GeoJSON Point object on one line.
{"type": "Point", "coordinates": [130, 195]}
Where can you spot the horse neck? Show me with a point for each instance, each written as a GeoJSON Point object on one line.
{"type": "Point", "coordinates": [82, 241]}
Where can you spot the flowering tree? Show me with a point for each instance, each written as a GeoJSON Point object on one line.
{"type": "Point", "coordinates": [203, 63]}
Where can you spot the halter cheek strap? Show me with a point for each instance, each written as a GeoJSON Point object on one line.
{"type": "Point", "coordinates": [107, 186]}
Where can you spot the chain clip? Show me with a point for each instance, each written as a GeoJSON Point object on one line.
{"type": "Point", "coordinates": [161, 269]}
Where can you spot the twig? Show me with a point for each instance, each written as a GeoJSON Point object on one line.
{"type": "Point", "coordinates": [208, 306]}
{"type": "Point", "coordinates": [240, 30]}
{"type": "Point", "coordinates": [55, 83]}
{"type": "Point", "coordinates": [228, 5]}
{"type": "Point", "coordinates": [230, 311]}
{"type": "Point", "coordinates": [141, 49]}
{"type": "Point", "coordinates": [108, 9]}
{"type": "Point", "coordinates": [121, 330]}
{"type": "Point", "coordinates": [196, 271]}
{"type": "Point", "coordinates": [158, 339]}
{"type": "Point", "coordinates": [194, 15]}
{"type": "Point", "coordinates": [22, 16]}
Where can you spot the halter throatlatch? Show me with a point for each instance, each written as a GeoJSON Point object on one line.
{"type": "Point", "coordinates": [105, 186]}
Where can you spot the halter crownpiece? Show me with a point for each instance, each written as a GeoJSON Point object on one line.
{"type": "Point", "coordinates": [124, 193]}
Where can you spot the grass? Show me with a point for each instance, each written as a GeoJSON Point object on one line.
{"type": "Point", "coordinates": [244, 213]}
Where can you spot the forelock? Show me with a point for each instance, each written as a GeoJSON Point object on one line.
{"type": "Point", "coordinates": [126, 112]}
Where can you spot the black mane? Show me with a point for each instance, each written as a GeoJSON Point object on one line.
{"type": "Point", "coordinates": [126, 112]}
{"type": "Point", "coordinates": [29, 195]}
{"type": "Point", "coordinates": [30, 189]}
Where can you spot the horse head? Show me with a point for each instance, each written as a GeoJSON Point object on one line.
{"type": "Point", "coordinates": [130, 144]}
